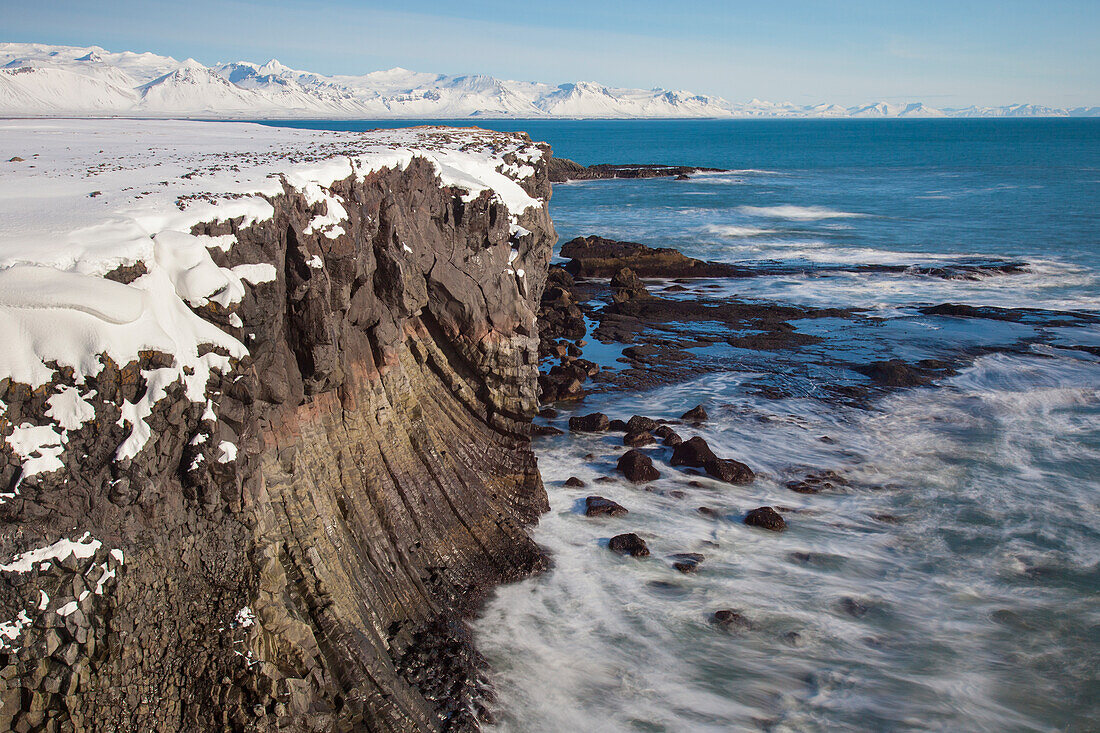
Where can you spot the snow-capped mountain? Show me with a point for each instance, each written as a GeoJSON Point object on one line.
{"type": "Point", "coordinates": [43, 80]}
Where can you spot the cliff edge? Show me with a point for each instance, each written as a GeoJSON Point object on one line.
{"type": "Point", "coordinates": [265, 399]}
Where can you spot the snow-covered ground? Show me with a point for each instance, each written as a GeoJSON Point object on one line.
{"type": "Point", "coordinates": [80, 198]}
{"type": "Point", "coordinates": [44, 80]}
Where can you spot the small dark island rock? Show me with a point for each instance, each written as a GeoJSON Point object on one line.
{"type": "Point", "coordinates": [628, 544]}
{"type": "Point", "coordinates": [765, 518]}
{"type": "Point", "coordinates": [638, 467]}
{"type": "Point", "coordinates": [595, 506]}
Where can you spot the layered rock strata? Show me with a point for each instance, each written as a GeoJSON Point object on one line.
{"type": "Point", "coordinates": [293, 544]}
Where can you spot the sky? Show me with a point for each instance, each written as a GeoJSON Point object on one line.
{"type": "Point", "coordinates": [946, 53]}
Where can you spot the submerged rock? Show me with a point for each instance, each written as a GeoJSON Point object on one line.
{"type": "Point", "coordinates": [595, 506]}
{"type": "Point", "coordinates": [732, 619]}
{"type": "Point", "coordinates": [637, 467]}
{"type": "Point", "coordinates": [687, 562]}
{"type": "Point", "coordinates": [628, 544]}
{"type": "Point", "coordinates": [765, 518]}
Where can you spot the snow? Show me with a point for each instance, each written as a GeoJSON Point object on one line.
{"type": "Point", "coordinates": [227, 452]}
{"type": "Point", "coordinates": [245, 617]}
{"type": "Point", "coordinates": [68, 409]}
{"type": "Point", "coordinates": [44, 80]}
{"type": "Point", "coordinates": [24, 562]}
{"type": "Point", "coordinates": [153, 182]}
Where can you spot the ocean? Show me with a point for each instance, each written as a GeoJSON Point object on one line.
{"type": "Point", "coordinates": [953, 582]}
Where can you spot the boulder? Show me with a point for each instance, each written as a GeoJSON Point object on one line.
{"type": "Point", "coordinates": [694, 453]}
{"type": "Point", "coordinates": [597, 422]}
{"type": "Point", "coordinates": [765, 518]}
{"type": "Point", "coordinates": [729, 618]}
{"type": "Point", "coordinates": [637, 467]}
{"type": "Point", "coordinates": [638, 439]}
{"type": "Point", "coordinates": [574, 483]}
{"type": "Point", "coordinates": [595, 506]}
{"type": "Point", "coordinates": [729, 470]}
{"type": "Point", "coordinates": [695, 414]}
{"type": "Point", "coordinates": [628, 544]}
{"type": "Point", "coordinates": [687, 562]}
{"type": "Point", "coordinates": [638, 424]}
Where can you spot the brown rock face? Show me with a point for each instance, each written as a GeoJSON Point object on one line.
{"type": "Point", "coordinates": [382, 482]}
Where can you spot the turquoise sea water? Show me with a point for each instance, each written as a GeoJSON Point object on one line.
{"type": "Point", "coordinates": [954, 584]}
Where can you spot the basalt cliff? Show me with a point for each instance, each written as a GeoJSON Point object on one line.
{"type": "Point", "coordinates": [281, 522]}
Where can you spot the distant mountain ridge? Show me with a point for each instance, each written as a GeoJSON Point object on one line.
{"type": "Point", "coordinates": [43, 80]}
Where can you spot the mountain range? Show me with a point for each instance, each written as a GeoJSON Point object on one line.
{"type": "Point", "coordinates": [44, 80]}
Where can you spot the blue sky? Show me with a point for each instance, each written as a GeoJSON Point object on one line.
{"type": "Point", "coordinates": [944, 52]}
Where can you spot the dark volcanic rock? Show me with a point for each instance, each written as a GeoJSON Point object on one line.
{"type": "Point", "coordinates": [695, 414]}
{"type": "Point", "coordinates": [599, 257]}
{"type": "Point", "coordinates": [731, 619]}
{"type": "Point", "coordinates": [563, 169]}
{"type": "Point", "coordinates": [687, 562]}
{"type": "Point", "coordinates": [574, 482]}
{"type": "Point", "coordinates": [729, 470]}
{"type": "Point", "coordinates": [639, 424]}
{"type": "Point", "coordinates": [595, 506]}
{"type": "Point", "coordinates": [626, 285]}
{"type": "Point", "coordinates": [765, 518]}
{"type": "Point", "coordinates": [545, 430]}
{"type": "Point", "coordinates": [628, 544]}
{"type": "Point", "coordinates": [896, 373]}
{"type": "Point", "coordinates": [637, 467]}
{"type": "Point", "coordinates": [694, 452]}
{"type": "Point", "coordinates": [597, 422]}
{"type": "Point", "coordinates": [618, 426]}
{"type": "Point", "coordinates": [638, 439]}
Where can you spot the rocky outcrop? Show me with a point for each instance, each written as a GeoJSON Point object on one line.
{"type": "Point", "coordinates": [563, 169]}
{"type": "Point", "coordinates": [298, 553]}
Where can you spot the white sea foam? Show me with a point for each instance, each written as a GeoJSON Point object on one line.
{"type": "Point", "coordinates": [733, 231]}
{"type": "Point", "coordinates": [798, 213]}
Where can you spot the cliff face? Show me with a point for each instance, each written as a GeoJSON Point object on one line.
{"type": "Point", "coordinates": [297, 552]}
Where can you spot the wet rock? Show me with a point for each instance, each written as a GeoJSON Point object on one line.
{"type": "Point", "coordinates": [596, 422]}
{"type": "Point", "coordinates": [854, 607]}
{"type": "Point", "coordinates": [626, 285]}
{"type": "Point", "coordinates": [545, 430]}
{"type": "Point", "coordinates": [697, 454]}
{"type": "Point", "coordinates": [706, 511]}
{"type": "Point", "coordinates": [694, 453]}
{"type": "Point", "coordinates": [817, 481]}
{"type": "Point", "coordinates": [618, 426]}
{"type": "Point", "coordinates": [607, 480]}
{"type": "Point", "coordinates": [639, 423]}
{"type": "Point", "coordinates": [765, 518]}
{"type": "Point", "coordinates": [695, 414]}
{"type": "Point", "coordinates": [673, 439]}
{"type": "Point", "coordinates": [563, 169]}
{"type": "Point", "coordinates": [574, 483]}
{"type": "Point", "coordinates": [730, 471]}
{"type": "Point", "coordinates": [896, 373]}
{"type": "Point", "coordinates": [732, 619]}
{"type": "Point", "coordinates": [637, 467]}
{"type": "Point", "coordinates": [638, 439]}
{"type": "Point", "coordinates": [687, 562]}
{"type": "Point", "coordinates": [548, 413]}
{"type": "Point", "coordinates": [596, 506]}
{"type": "Point", "coordinates": [628, 544]}
{"type": "Point", "coordinates": [595, 256]}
